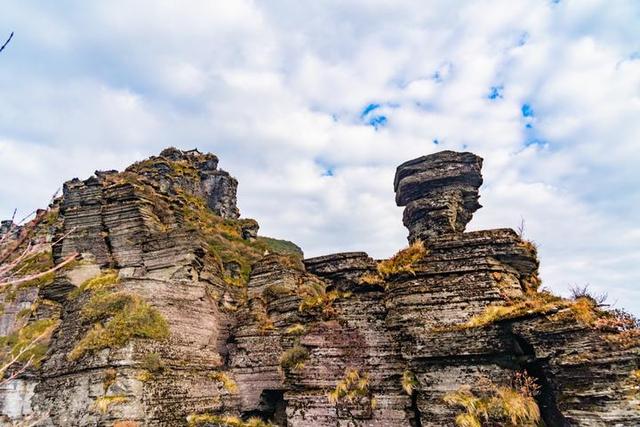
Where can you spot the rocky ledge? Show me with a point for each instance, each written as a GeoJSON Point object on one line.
{"type": "Point", "coordinates": [168, 309]}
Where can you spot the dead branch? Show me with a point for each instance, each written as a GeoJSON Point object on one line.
{"type": "Point", "coordinates": [7, 42]}
{"type": "Point", "coordinates": [67, 260]}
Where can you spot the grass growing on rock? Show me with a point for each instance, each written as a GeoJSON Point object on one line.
{"type": "Point", "coordinates": [103, 403]}
{"type": "Point", "coordinates": [227, 382]}
{"type": "Point", "coordinates": [296, 329]}
{"type": "Point", "coordinates": [353, 387]}
{"type": "Point", "coordinates": [294, 358]}
{"type": "Point", "coordinates": [409, 382]}
{"type": "Point", "coordinates": [29, 343]}
{"type": "Point", "coordinates": [196, 420]}
{"type": "Point", "coordinates": [118, 317]}
{"type": "Point", "coordinates": [316, 298]}
{"type": "Point", "coordinates": [509, 406]}
{"type": "Point", "coordinates": [403, 261]}
{"type": "Point", "coordinates": [103, 281]}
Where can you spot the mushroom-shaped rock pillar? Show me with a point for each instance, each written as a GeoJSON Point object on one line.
{"type": "Point", "coordinates": [439, 192]}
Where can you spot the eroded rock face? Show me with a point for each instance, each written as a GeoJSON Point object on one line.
{"type": "Point", "coordinates": [439, 192]}
{"type": "Point", "coordinates": [271, 341]}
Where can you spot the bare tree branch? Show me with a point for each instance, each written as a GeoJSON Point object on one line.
{"type": "Point", "coordinates": [7, 42]}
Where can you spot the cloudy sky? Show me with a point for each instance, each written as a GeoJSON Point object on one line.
{"type": "Point", "coordinates": [312, 105]}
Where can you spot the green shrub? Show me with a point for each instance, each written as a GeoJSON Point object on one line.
{"type": "Point", "coordinates": [294, 358]}
{"type": "Point", "coordinates": [103, 281]}
{"type": "Point", "coordinates": [118, 317]}
{"type": "Point", "coordinates": [152, 362]}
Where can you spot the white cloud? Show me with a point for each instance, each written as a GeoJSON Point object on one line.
{"type": "Point", "coordinates": [276, 90]}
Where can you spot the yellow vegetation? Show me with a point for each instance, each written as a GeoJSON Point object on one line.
{"type": "Point", "coordinates": [352, 387]}
{"type": "Point", "coordinates": [227, 382]}
{"type": "Point", "coordinates": [498, 405]}
{"type": "Point", "coordinates": [226, 421]}
{"type": "Point", "coordinates": [29, 343]}
{"type": "Point", "coordinates": [265, 324]}
{"type": "Point", "coordinates": [534, 302]}
{"type": "Point", "coordinates": [403, 261]}
{"type": "Point", "coordinates": [105, 280]}
{"type": "Point", "coordinates": [371, 280]}
{"type": "Point", "coordinates": [296, 329]}
{"type": "Point", "coordinates": [316, 298]}
{"type": "Point", "coordinates": [409, 382]}
{"type": "Point", "coordinates": [294, 358]}
{"type": "Point", "coordinates": [118, 317]}
{"type": "Point", "coordinates": [103, 403]}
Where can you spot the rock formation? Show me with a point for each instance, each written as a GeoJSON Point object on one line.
{"type": "Point", "coordinates": [440, 192]}
{"type": "Point", "coordinates": [178, 311]}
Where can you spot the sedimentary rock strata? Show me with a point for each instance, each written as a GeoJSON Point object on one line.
{"type": "Point", "coordinates": [178, 311]}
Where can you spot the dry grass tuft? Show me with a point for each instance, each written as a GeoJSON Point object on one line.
{"type": "Point", "coordinates": [316, 298]}
{"type": "Point", "coordinates": [353, 387]}
{"type": "Point", "coordinates": [103, 403]}
{"type": "Point", "coordinates": [296, 329]}
{"type": "Point", "coordinates": [225, 421]}
{"type": "Point", "coordinates": [227, 382]}
{"type": "Point", "coordinates": [509, 406]}
{"type": "Point", "coordinates": [409, 382]}
{"type": "Point", "coordinates": [403, 261]}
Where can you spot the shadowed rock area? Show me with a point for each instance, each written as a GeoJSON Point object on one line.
{"type": "Point", "coordinates": [178, 312]}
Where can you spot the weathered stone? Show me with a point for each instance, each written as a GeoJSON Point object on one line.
{"type": "Point", "coordinates": [274, 345]}
{"type": "Point", "coordinates": [440, 192]}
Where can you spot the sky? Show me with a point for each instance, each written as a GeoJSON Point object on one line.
{"type": "Point", "coordinates": [312, 105]}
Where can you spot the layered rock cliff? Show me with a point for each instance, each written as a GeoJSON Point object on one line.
{"type": "Point", "coordinates": [173, 310]}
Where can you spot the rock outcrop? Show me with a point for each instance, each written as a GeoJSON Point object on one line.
{"type": "Point", "coordinates": [179, 310]}
{"type": "Point", "coordinates": [439, 192]}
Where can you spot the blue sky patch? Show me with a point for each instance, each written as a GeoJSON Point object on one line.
{"type": "Point", "coordinates": [495, 92]}
{"type": "Point", "coordinates": [378, 121]}
{"type": "Point", "coordinates": [527, 110]}
{"type": "Point", "coordinates": [369, 108]}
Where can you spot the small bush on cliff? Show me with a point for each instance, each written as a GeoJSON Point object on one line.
{"type": "Point", "coordinates": [403, 261]}
{"type": "Point", "coordinates": [152, 362]}
{"type": "Point", "coordinates": [227, 382]}
{"type": "Point", "coordinates": [118, 317]}
{"type": "Point", "coordinates": [105, 280]}
{"type": "Point", "coordinates": [409, 382]}
{"type": "Point", "coordinates": [315, 297]}
{"type": "Point", "coordinates": [294, 358]}
{"type": "Point", "coordinates": [509, 406]}
{"type": "Point", "coordinates": [352, 388]}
